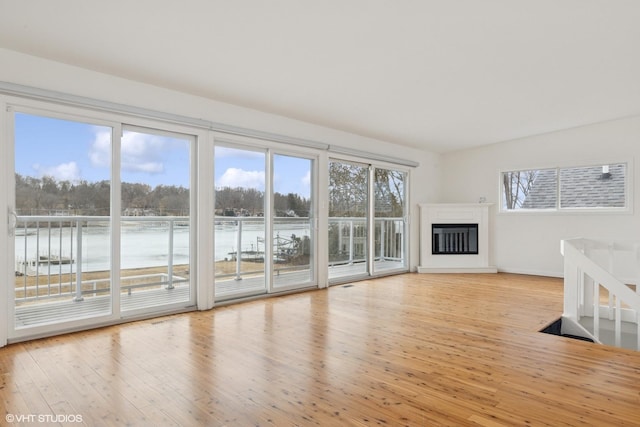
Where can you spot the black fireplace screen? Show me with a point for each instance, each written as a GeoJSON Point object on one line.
{"type": "Point", "coordinates": [454, 239]}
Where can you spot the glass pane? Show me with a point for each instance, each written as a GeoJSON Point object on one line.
{"type": "Point", "coordinates": [348, 201]}
{"type": "Point", "coordinates": [62, 237]}
{"type": "Point", "coordinates": [239, 222]}
{"type": "Point", "coordinates": [292, 232]}
{"type": "Point", "coordinates": [390, 227]}
{"type": "Point", "coordinates": [601, 186]}
{"type": "Point", "coordinates": [530, 189]}
{"type": "Point", "coordinates": [155, 227]}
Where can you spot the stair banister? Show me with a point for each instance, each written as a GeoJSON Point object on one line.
{"type": "Point", "coordinates": [579, 263]}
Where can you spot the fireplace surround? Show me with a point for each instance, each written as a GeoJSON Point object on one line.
{"type": "Point", "coordinates": [454, 238]}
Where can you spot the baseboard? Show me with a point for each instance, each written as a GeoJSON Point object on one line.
{"type": "Point", "coordinates": [542, 273]}
{"type": "Point", "coordinates": [531, 272]}
{"type": "Point", "coordinates": [458, 270]}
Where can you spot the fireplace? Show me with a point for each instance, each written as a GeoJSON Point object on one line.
{"type": "Point", "coordinates": [454, 239]}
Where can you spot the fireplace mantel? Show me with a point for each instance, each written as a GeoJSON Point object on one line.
{"type": "Point", "coordinates": [454, 213]}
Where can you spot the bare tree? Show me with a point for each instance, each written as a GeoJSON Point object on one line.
{"type": "Point", "coordinates": [517, 185]}
{"type": "Point", "coordinates": [347, 189]}
{"type": "Point", "coordinates": [389, 192]}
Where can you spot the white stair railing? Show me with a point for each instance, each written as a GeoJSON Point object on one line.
{"type": "Point", "coordinates": [590, 265]}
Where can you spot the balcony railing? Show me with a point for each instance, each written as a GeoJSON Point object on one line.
{"type": "Point", "coordinates": [602, 289]}
{"type": "Point", "coordinates": [69, 256]}
{"type": "Point", "coordinates": [348, 240]}
{"type": "Point", "coordinates": [54, 254]}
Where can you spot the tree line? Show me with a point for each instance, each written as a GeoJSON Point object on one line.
{"type": "Point", "coordinates": [234, 201]}
{"type": "Point", "coordinates": [48, 196]}
{"type": "Point", "coordinates": [348, 196]}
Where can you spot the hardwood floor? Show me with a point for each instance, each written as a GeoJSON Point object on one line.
{"type": "Point", "coordinates": [417, 350]}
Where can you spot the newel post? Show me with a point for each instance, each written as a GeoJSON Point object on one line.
{"type": "Point", "coordinates": [571, 275]}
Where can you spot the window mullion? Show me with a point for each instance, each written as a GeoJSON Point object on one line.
{"type": "Point", "coordinates": [116, 212]}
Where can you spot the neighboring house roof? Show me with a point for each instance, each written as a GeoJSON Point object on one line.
{"type": "Point", "coordinates": [543, 194]}
{"type": "Point", "coordinates": [580, 187]}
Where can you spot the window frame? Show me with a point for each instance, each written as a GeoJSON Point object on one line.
{"type": "Point", "coordinates": [117, 122]}
{"type": "Point", "coordinates": [372, 165]}
{"type": "Point", "coordinates": [628, 190]}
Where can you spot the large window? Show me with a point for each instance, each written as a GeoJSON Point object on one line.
{"type": "Point", "coordinates": [102, 222]}
{"type": "Point", "coordinates": [367, 220]}
{"type": "Point", "coordinates": [155, 225]}
{"type": "Point", "coordinates": [389, 218]}
{"type": "Point", "coordinates": [264, 228]}
{"type": "Point", "coordinates": [240, 229]}
{"type": "Point", "coordinates": [292, 222]}
{"type": "Point", "coordinates": [348, 219]}
{"type": "Point", "coordinates": [113, 217]}
{"type": "Point", "coordinates": [62, 221]}
{"type": "Point", "coordinates": [595, 187]}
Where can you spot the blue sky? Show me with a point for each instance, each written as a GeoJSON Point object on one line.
{"type": "Point", "coordinates": [77, 151]}
{"type": "Point", "coordinates": [246, 168]}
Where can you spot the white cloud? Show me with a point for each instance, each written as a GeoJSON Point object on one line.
{"type": "Point", "coordinates": [306, 180]}
{"type": "Point", "coordinates": [100, 152]}
{"type": "Point", "coordinates": [140, 152]}
{"type": "Point", "coordinates": [222, 151]}
{"type": "Point", "coordinates": [234, 177]}
{"type": "Point", "coordinates": [62, 172]}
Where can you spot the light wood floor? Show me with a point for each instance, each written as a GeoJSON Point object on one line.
{"type": "Point", "coordinates": [418, 350]}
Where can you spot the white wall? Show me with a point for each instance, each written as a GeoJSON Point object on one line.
{"type": "Point", "coordinates": [44, 74]}
{"type": "Point", "coordinates": [530, 243]}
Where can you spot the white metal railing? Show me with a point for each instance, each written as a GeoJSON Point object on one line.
{"type": "Point", "coordinates": [390, 239]}
{"type": "Point", "coordinates": [242, 240]}
{"type": "Point", "coordinates": [348, 237]}
{"type": "Point", "coordinates": [95, 287]}
{"type": "Point", "coordinates": [592, 265]}
{"type": "Point", "coordinates": [52, 256]}
{"type": "Point", "coordinates": [348, 232]}
{"type": "Point", "coordinates": [57, 252]}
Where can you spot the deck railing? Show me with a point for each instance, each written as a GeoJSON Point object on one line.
{"type": "Point", "coordinates": [348, 240]}
{"type": "Point", "coordinates": [594, 270]}
{"type": "Point", "coordinates": [54, 254]}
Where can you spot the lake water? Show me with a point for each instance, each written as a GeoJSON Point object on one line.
{"type": "Point", "coordinates": [143, 244]}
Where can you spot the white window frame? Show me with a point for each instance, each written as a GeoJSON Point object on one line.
{"type": "Point", "coordinates": [372, 164]}
{"type": "Point", "coordinates": [208, 134]}
{"type": "Point", "coordinates": [271, 148]}
{"type": "Point", "coordinates": [116, 121]}
{"type": "Point", "coordinates": [628, 187]}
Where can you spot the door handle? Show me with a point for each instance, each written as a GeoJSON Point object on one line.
{"type": "Point", "coordinates": [12, 221]}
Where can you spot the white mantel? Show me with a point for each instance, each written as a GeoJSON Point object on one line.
{"type": "Point", "coordinates": [455, 213]}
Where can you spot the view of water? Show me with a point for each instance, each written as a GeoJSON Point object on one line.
{"type": "Point", "coordinates": [143, 244]}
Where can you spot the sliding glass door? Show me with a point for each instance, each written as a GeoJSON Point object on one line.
{"type": "Point", "coordinates": [348, 243]}
{"type": "Point", "coordinates": [155, 225]}
{"type": "Point", "coordinates": [293, 223]}
{"type": "Point", "coordinates": [102, 218]}
{"type": "Point", "coordinates": [367, 220]}
{"type": "Point", "coordinates": [240, 233]}
{"type": "Point", "coordinates": [62, 216]}
{"type": "Point", "coordinates": [101, 222]}
{"type": "Point", "coordinates": [390, 226]}
{"type": "Point", "coordinates": [264, 221]}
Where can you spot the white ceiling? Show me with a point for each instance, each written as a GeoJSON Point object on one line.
{"type": "Point", "coordinates": [437, 74]}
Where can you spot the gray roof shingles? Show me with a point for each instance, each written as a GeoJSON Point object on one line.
{"type": "Point", "coordinates": [580, 187]}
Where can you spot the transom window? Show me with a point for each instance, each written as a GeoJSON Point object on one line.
{"type": "Point", "coordinates": [594, 187]}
